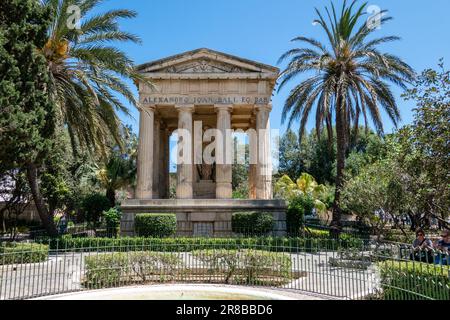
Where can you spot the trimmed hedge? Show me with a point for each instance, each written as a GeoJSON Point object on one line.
{"type": "Point", "coordinates": [190, 244]}
{"type": "Point", "coordinates": [218, 266]}
{"type": "Point", "coordinates": [155, 225]}
{"type": "Point", "coordinates": [252, 222]}
{"type": "Point", "coordinates": [409, 280]}
{"type": "Point", "coordinates": [20, 253]}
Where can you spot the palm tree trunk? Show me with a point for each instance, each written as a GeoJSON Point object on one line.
{"type": "Point", "coordinates": [44, 214]}
{"type": "Point", "coordinates": [336, 224]}
{"type": "Point", "coordinates": [111, 195]}
{"type": "Point", "coordinates": [73, 142]}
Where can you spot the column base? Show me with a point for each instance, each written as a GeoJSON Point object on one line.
{"type": "Point", "coordinates": [185, 191]}
{"type": "Point", "coordinates": [144, 195]}
{"type": "Point", "coordinates": [224, 190]}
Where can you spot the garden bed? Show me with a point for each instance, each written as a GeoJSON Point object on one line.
{"type": "Point", "coordinates": [22, 253]}
{"type": "Point", "coordinates": [409, 280]}
{"type": "Point", "coordinates": [246, 267]}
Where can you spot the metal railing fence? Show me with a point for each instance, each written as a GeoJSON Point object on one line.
{"type": "Point", "coordinates": [333, 268]}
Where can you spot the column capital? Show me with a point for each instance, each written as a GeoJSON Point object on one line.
{"type": "Point", "coordinates": [223, 107]}
{"type": "Point", "coordinates": [150, 107]}
{"type": "Point", "coordinates": [185, 108]}
{"type": "Point", "coordinates": [263, 107]}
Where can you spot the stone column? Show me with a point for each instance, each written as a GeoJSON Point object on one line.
{"type": "Point", "coordinates": [144, 189]}
{"type": "Point", "coordinates": [167, 163]}
{"type": "Point", "coordinates": [163, 162]}
{"type": "Point", "coordinates": [224, 153]}
{"type": "Point", "coordinates": [156, 161]}
{"type": "Point", "coordinates": [253, 149]}
{"type": "Point", "coordinates": [185, 161]}
{"type": "Point", "coordinates": [264, 166]}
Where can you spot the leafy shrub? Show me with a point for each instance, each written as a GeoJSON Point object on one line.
{"type": "Point", "coordinates": [414, 281]}
{"type": "Point", "coordinates": [114, 269]}
{"type": "Point", "coordinates": [93, 206]}
{"type": "Point", "coordinates": [248, 266]}
{"type": "Point", "coordinates": [112, 220]}
{"type": "Point", "coordinates": [299, 207]}
{"type": "Point", "coordinates": [106, 270]}
{"type": "Point", "coordinates": [155, 225]}
{"type": "Point", "coordinates": [19, 253]}
{"type": "Point", "coordinates": [252, 222]}
{"type": "Point", "coordinates": [238, 266]}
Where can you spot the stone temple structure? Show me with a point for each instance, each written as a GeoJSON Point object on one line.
{"type": "Point", "coordinates": [192, 93]}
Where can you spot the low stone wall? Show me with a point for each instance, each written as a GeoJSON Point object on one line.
{"type": "Point", "coordinates": [198, 217]}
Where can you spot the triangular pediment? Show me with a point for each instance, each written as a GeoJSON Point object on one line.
{"type": "Point", "coordinates": [204, 65]}
{"type": "Point", "coordinates": [206, 61]}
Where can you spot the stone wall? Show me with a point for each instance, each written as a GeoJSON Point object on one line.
{"type": "Point", "coordinates": [197, 217]}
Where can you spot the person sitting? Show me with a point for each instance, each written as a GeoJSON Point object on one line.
{"type": "Point", "coordinates": [443, 248]}
{"type": "Point", "coordinates": [423, 248]}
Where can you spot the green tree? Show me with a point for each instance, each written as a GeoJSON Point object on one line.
{"type": "Point", "coordinates": [427, 140]}
{"type": "Point", "coordinates": [368, 149]}
{"type": "Point", "coordinates": [350, 82]}
{"type": "Point", "coordinates": [410, 172]}
{"type": "Point", "coordinates": [93, 207]}
{"type": "Point", "coordinates": [318, 158]}
{"type": "Point", "coordinates": [375, 195]}
{"type": "Point", "coordinates": [27, 116]}
{"type": "Point", "coordinates": [291, 160]}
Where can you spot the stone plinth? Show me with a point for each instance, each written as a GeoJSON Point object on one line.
{"type": "Point", "coordinates": [205, 189]}
{"type": "Point", "coordinates": [198, 217]}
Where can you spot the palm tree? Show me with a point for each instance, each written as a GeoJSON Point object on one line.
{"type": "Point", "coordinates": [119, 172]}
{"type": "Point", "coordinates": [350, 80]}
{"type": "Point", "coordinates": [87, 73]}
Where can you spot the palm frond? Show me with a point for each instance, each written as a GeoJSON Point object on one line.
{"type": "Point", "coordinates": [88, 72]}
{"type": "Point", "coordinates": [356, 73]}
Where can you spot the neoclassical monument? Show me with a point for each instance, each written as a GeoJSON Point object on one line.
{"type": "Point", "coordinates": [194, 93]}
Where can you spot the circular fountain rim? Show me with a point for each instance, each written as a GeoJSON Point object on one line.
{"type": "Point", "coordinates": [255, 292]}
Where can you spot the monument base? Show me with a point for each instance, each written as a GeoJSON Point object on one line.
{"type": "Point", "coordinates": [205, 189]}
{"type": "Point", "coordinates": [203, 217]}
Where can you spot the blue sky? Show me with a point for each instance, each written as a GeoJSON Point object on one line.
{"type": "Point", "coordinates": [261, 30]}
